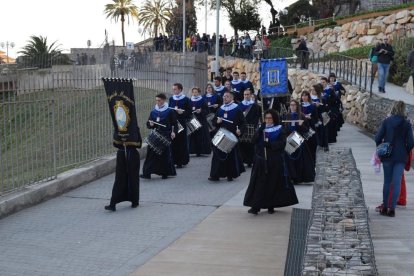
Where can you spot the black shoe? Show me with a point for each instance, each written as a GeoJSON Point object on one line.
{"type": "Point", "coordinates": [213, 179]}
{"type": "Point", "coordinates": [271, 210]}
{"type": "Point", "coordinates": [391, 213]}
{"type": "Point", "coordinates": [325, 149]}
{"type": "Point", "coordinates": [249, 165]}
{"type": "Point", "coordinates": [110, 208]}
{"type": "Point", "coordinates": [145, 176]}
{"type": "Point", "coordinates": [164, 177]}
{"type": "Point", "coordinates": [229, 178]}
{"type": "Point", "coordinates": [383, 211]}
{"type": "Point", "coordinates": [198, 155]}
{"type": "Point", "coordinates": [134, 205]}
{"type": "Point", "coordinates": [179, 166]}
{"type": "Point", "coordinates": [253, 211]}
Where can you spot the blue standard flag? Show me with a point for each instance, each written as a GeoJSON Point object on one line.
{"type": "Point", "coordinates": [274, 77]}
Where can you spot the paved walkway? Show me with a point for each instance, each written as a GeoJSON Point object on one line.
{"type": "Point", "coordinates": [185, 226]}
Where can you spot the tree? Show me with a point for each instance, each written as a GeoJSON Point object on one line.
{"type": "Point", "coordinates": [155, 15]}
{"type": "Point", "coordinates": [175, 25]}
{"type": "Point", "coordinates": [37, 53]}
{"type": "Point", "coordinates": [236, 8]}
{"type": "Point", "coordinates": [302, 7]}
{"type": "Point", "coordinates": [119, 10]}
{"type": "Point", "coordinates": [246, 18]}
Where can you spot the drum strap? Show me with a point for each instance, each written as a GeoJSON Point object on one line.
{"type": "Point", "coordinates": [247, 110]}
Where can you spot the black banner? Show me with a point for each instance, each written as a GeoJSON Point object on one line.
{"type": "Point", "coordinates": [120, 95]}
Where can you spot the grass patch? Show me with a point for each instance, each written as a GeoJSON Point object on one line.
{"type": "Point", "coordinates": [66, 127]}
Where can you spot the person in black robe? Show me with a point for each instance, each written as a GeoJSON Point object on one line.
{"type": "Point", "coordinates": [251, 112]}
{"type": "Point", "coordinates": [328, 99]}
{"type": "Point", "coordinates": [213, 101]}
{"type": "Point", "coordinates": [246, 83]}
{"type": "Point", "coordinates": [300, 163]}
{"type": "Point", "coordinates": [181, 104]}
{"type": "Point", "coordinates": [126, 184]}
{"type": "Point", "coordinates": [163, 120]}
{"type": "Point", "coordinates": [321, 129]}
{"type": "Point", "coordinates": [218, 88]}
{"type": "Point", "coordinates": [238, 87]}
{"type": "Point", "coordinates": [311, 116]}
{"type": "Point", "coordinates": [337, 107]}
{"type": "Point", "coordinates": [200, 142]}
{"type": "Point", "coordinates": [230, 117]}
{"type": "Point", "coordinates": [269, 186]}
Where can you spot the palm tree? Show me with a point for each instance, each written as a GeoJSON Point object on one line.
{"type": "Point", "coordinates": [38, 53]}
{"type": "Point", "coordinates": [121, 9]}
{"type": "Point", "coordinates": [155, 15]}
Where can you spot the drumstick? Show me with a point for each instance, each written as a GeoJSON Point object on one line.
{"type": "Point", "coordinates": [178, 109]}
{"type": "Point", "coordinates": [157, 123]}
{"type": "Point", "coordinates": [292, 121]}
{"type": "Point", "coordinates": [226, 120]}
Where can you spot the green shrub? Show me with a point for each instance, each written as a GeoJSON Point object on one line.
{"type": "Point", "coordinates": [390, 8]}
{"type": "Point", "coordinates": [281, 42]}
{"type": "Point", "coordinates": [399, 71]}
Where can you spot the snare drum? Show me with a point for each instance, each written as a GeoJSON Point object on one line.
{"type": "Point", "coordinates": [157, 142]}
{"type": "Point", "coordinates": [248, 135]}
{"type": "Point", "coordinates": [308, 134]}
{"type": "Point", "coordinates": [224, 140]}
{"type": "Point", "coordinates": [325, 118]}
{"type": "Point", "coordinates": [192, 126]}
{"type": "Point", "coordinates": [210, 118]}
{"type": "Point", "coordinates": [293, 142]}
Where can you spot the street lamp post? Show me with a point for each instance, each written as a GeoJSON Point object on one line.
{"type": "Point", "coordinates": [7, 44]}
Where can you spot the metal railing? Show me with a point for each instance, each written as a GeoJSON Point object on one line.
{"type": "Point", "coordinates": [54, 119]}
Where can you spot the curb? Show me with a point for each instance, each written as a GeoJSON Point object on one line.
{"type": "Point", "coordinates": [35, 194]}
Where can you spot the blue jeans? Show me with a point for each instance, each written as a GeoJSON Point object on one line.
{"type": "Point", "coordinates": [382, 74]}
{"type": "Point", "coordinates": [392, 175]}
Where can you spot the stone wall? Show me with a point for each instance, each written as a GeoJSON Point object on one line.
{"type": "Point", "coordinates": [361, 33]}
{"type": "Point", "coordinates": [338, 240]}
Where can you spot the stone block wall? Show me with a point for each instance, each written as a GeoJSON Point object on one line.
{"type": "Point", "coordinates": [369, 5]}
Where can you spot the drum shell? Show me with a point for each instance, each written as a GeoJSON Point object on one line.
{"type": "Point", "coordinates": [293, 142]}
{"type": "Point", "coordinates": [193, 125]}
{"type": "Point", "coordinates": [248, 135]}
{"type": "Point", "coordinates": [224, 140]}
{"type": "Point", "coordinates": [157, 142]}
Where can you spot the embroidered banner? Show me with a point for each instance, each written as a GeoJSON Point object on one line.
{"type": "Point", "coordinates": [120, 96]}
{"type": "Point", "coordinates": [274, 77]}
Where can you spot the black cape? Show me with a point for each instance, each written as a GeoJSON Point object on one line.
{"type": "Point", "coordinates": [200, 141]}
{"type": "Point", "coordinates": [126, 185]}
{"type": "Point", "coordinates": [247, 148]}
{"type": "Point", "coordinates": [180, 153]}
{"type": "Point", "coordinates": [269, 188]}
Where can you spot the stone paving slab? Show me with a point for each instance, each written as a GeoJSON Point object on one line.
{"type": "Point", "coordinates": [73, 235]}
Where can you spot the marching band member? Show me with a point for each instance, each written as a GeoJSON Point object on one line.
{"type": "Point", "coordinates": [181, 104]}
{"type": "Point", "coordinates": [300, 163]}
{"type": "Point", "coordinates": [311, 115]}
{"type": "Point", "coordinates": [269, 186]}
{"type": "Point", "coordinates": [238, 87]}
{"type": "Point", "coordinates": [164, 121]}
{"type": "Point", "coordinates": [328, 99]}
{"type": "Point", "coordinates": [200, 139]}
{"type": "Point", "coordinates": [213, 101]}
{"type": "Point", "coordinates": [230, 117]}
{"type": "Point", "coordinates": [339, 92]}
{"type": "Point", "coordinates": [321, 130]}
{"type": "Point", "coordinates": [220, 89]}
{"type": "Point", "coordinates": [251, 112]}
{"type": "Point", "coordinates": [246, 82]}
{"type": "Point", "coordinates": [228, 86]}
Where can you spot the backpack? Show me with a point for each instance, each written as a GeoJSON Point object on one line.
{"type": "Point", "coordinates": [373, 58]}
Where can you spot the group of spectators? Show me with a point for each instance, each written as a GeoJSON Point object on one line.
{"type": "Point", "coordinates": [84, 59]}
{"type": "Point", "coordinates": [239, 46]}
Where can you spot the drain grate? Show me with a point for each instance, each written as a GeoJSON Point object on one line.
{"type": "Point", "coordinates": [297, 240]}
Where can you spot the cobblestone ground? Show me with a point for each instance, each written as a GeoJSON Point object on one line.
{"type": "Point", "coordinates": [73, 234]}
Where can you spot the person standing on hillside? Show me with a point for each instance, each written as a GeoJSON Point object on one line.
{"type": "Point", "coordinates": [303, 53]}
{"type": "Point", "coordinates": [385, 54]}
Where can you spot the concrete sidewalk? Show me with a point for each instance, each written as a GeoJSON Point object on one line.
{"type": "Point", "coordinates": [232, 242]}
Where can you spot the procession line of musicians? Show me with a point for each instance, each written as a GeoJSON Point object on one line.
{"type": "Point", "coordinates": [262, 136]}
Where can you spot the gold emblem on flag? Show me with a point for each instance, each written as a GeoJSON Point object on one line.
{"type": "Point", "coordinates": [122, 118]}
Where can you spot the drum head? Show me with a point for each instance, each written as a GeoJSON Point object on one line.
{"type": "Point", "coordinates": [229, 134]}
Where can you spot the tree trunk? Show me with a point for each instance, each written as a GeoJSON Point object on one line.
{"type": "Point", "coordinates": [122, 29]}
{"type": "Point", "coordinates": [156, 30]}
{"type": "Point", "coordinates": [235, 32]}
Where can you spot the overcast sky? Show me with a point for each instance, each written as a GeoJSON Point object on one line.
{"type": "Point", "coordinates": [73, 23]}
